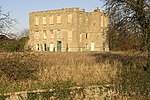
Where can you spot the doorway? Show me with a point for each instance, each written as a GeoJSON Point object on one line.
{"type": "Point", "coordinates": [59, 46]}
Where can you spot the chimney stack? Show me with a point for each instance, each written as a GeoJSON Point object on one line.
{"type": "Point", "coordinates": [83, 10]}
{"type": "Point", "coordinates": [96, 9]}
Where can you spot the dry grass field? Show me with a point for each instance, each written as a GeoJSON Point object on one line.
{"type": "Point", "coordinates": [22, 71]}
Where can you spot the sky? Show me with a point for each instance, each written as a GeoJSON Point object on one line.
{"type": "Point", "coordinates": [20, 9]}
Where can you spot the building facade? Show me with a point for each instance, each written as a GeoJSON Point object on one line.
{"type": "Point", "coordinates": [68, 29]}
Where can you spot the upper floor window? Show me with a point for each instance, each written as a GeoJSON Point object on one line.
{"type": "Point", "coordinates": [87, 46]}
{"type": "Point", "coordinates": [37, 35]}
{"type": "Point", "coordinates": [86, 36]}
{"type": "Point", "coordinates": [51, 20]}
{"type": "Point", "coordinates": [51, 33]}
{"type": "Point", "coordinates": [59, 35]}
{"type": "Point", "coordinates": [44, 20]}
{"type": "Point", "coordinates": [58, 19]}
{"type": "Point", "coordinates": [36, 21]}
{"type": "Point", "coordinates": [70, 34]}
{"type": "Point", "coordinates": [69, 18]}
{"type": "Point", "coordinates": [80, 37]}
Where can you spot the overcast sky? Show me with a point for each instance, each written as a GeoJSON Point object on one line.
{"type": "Point", "coordinates": [21, 8]}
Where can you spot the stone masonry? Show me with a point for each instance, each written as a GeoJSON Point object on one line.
{"type": "Point", "coordinates": [68, 30]}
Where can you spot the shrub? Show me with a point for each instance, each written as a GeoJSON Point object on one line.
{"type": "Point", "coordinates": [19, 66]}
{"type": "Point", "coordinates": [12, 45]}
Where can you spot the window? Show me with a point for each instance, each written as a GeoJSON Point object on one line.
{"type": "Point", "coordinates": [86, 36]}
{"type": "Point", "coordinates": [92, 46]}
{"type": "Point", "coordinates": [51, 47]}
{"type": "Point", "coordinates": [51, 33]}
{"type": "Point", "coordinates": [44, 20]}
{"type": "Point", "coordinates": [69, 18]}
{"type": "Point", "coordinates": [44, 47]}
{"type": "Point", "coordinates": [37, 47]}
{"type": "Point", "coordinates": [36, 21]}
{"type": "Point", "coordinates": [51, 20]}
{"type": "Point", "coordinates": [94, 23]}
{"type": "Point", "coordinates": [70, 34]}
{"type": "Point", "coordinates": [80, 37]}
{"type": "Point", "coordinates": [67, 47]}
{"type": "Point", "coordinates": [37, 35]}
{"type": "Point", "coordinates": [59, 34]}
{"type": "Point", "coordinates": [58, 19]}
{"type": "Point", "coordinates": [45, 35]}
{"type": "Point", "coordinates": [87, 47]}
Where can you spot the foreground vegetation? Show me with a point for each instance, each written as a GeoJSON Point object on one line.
{"type": "Point", "coordinates": [12, 45]}
{"type": "Point", "coordinates": [23, 71]}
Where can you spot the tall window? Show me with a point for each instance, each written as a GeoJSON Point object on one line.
{"type": "Point", "coordinates": [86, 36]}
{"type": "Point", "coordinates": [69, 18]}
{"type": "Point", "coordinates": [70, 34]}
{"type": "Point", "coordinates": [45, 35]}
{"type": "Point", "coordinates": [51, 33]}
{"type": "Point", "coordinates": [37, 35]}
{"type": "Point", "coordinates": [38, 47]}
{"type": "Point", "coordinates": [87, 47]}
{"type": "Point", "coordinates": [80, 37]}
{"type": "Point", "coordinates": [44, 20]}
{"type": "Point", "coordinates": [58, 19]}
{"type": "Point", "coordinates": [59, 35]}
{"type": "Point", "coordinates": [51, 20]}
{"type": "Point", "coordinates": [36, 21]}
{"type": "Point", "coordinates": [44, 47]}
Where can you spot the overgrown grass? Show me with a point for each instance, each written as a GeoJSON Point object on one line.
{"type": "Point", "coordinates": [123, 70]}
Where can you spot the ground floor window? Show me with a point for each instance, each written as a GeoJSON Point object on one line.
{"type": "Point", "coordinates": [37, 47]}
{"type": "Point", "coordinates": [92, 46]}
{"type": "Point", "coordinates": [51, 48]}
{"type": "Point", "coordinates": [44, 47]}
{"type": "Point", "coordinates": [87, 46]}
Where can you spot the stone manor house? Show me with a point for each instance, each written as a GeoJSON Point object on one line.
{"type": "Point", "coordinates": [68, 29]}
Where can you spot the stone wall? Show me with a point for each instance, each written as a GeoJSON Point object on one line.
{"type": "Point", "coordinates": [74, 28]}
{"type": "Point", "coordinates": [75, 93]}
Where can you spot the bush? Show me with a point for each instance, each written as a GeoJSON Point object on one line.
{"type": "Point", "coordinates": [12, 45]}
{"type": "Point", "coordinates": [19, 66]}
{"type": "Point", "coordinates": [22, 43]}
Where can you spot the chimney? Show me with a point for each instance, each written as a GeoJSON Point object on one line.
{"type": "Point", "coordinates": [96, 9]}
{"type": "Point", "coordinates": [83, 10]}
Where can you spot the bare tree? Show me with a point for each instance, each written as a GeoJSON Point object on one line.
{"type": "Point", "coordinates": [131, 16]}
{"type": "Point", "coordinates": [6, 23]}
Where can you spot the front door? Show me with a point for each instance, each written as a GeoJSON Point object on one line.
{"type": "Point", "coordinates": [59, 46]}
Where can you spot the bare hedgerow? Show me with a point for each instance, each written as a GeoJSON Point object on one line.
{"type": "Point", "coordinates": [19, 66]}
